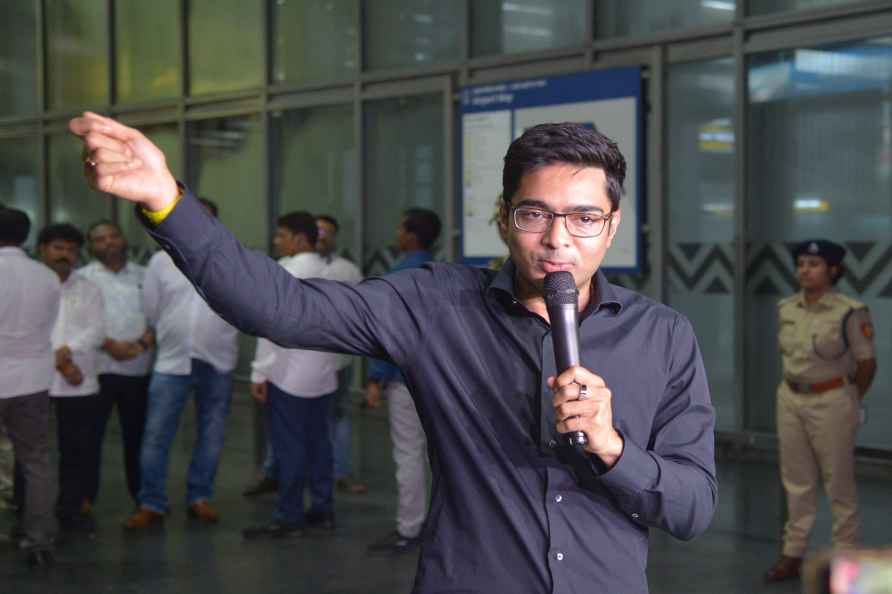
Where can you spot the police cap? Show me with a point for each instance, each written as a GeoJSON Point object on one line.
{"type": "Point", "coordinates": [832, 252]}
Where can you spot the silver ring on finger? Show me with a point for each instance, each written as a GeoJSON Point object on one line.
{"type": "Point", "coordinates": [583, 392]}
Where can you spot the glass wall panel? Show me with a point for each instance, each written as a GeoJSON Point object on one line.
{"type": "Point", "coordinates": [147, 49]}
{"type": "Point", "coordinates": [71, 200]}
{"type": "Point", "coordinates": [616, 18]}
{"type": "Point", "coordinates": [314, 41]}
{"type": "Point", "coordinates": [225, 52]}
{"type": "Point", "coordinates": [503, 27]}
{"type": "Point", "coordinates": [412, 33]}
{"type": "Point", "coordinates": [18, 59]}
{"type": "Point", "coordinates": [756, 7]}
{"type": "Point", "coordinates": [315, 167]}
{"type": "Point", "coordinates": [167, 138]}
{"type": "Point", "coordinates": [19, 184]}
{"type": "Point", "coordinates": [226, 166]}
{"type": "Point", "coordinates": [403, 166]}
{"type": "Point", "coordinates": [77, 52]}
{"type": "Point", "coordinates": [820, 165]}
{"type": "Point", "coordinates": [701, 258]}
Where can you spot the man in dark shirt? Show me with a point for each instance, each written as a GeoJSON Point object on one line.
{"type": "Point", "coordinates": [512, 509]}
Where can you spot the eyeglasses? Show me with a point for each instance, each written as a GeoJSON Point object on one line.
{"type": "Point", "coordinates": [579, 224]}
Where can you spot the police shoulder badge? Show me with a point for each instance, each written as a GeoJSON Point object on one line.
{"type": "Point", "coordinates": [867, 330]}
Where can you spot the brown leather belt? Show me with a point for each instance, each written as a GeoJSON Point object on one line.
{"type": "Point", "coordinates": [818, 388]}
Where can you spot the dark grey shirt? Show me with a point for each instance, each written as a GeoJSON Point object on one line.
{"type": "Point", "coordinates": [511, 511]}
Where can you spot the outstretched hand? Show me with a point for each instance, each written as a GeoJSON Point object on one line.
{"type": "Point", "coordinates": [122, 161]}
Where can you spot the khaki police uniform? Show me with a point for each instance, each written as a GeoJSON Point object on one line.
{"type": "Point", "coordinates": [818, 412]}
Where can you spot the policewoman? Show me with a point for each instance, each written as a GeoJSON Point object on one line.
{"type": "Point", "coordinates": [829, 361]}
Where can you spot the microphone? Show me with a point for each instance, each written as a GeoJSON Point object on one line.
{"type": "Point", "coordinates": [561, 301]}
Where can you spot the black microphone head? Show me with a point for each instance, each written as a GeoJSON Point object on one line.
{"type": "Point", "coordinates": [560, 288]}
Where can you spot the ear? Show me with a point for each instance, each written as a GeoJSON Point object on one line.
{"type": "Point", "coordinates": [613, 225]}
{"type": "Point", "coordinates": [502, 220]}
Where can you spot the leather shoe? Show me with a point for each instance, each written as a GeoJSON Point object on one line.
{"type": "Point", "coordinates": [272, 530]}
{"type": "Point", "coordinates": [785, 568]}
{"type": "Point", "coordinates": [40, 559]}
{"type": "Point", "coordinates": [203, 512]}
{"type": "Point", "coordinates": [394, 543]}
{"type": "Point", "coordinates": [144, 518]}
{"type": "Point", "coordinates": [348, 485]}
{"type": "Point", "coordinates": [325, 521]}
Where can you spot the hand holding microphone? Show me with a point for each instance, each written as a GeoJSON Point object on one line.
{"type": "Point", "coordinates": [582, 400]}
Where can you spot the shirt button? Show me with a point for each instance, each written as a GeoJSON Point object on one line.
{"type": "Point", "coordinates": [558, 498]}
{"type": "Point", "coordinates": [559, 556]}
{"type": "Point", "coordinates": [635, 516]}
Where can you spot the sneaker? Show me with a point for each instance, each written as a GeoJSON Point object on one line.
{"type": "Point", "coordinates": [323, 520]}
{"type": "Point", "coordinates": [272, 530]}
{"type": "Point", "coordinates": [262, 486]}
{"type": "Point", "coordinates": [394, 543]}
{"type": "Point", "coordinates": [203, 512]}
{"type": "Point", "coordinates": [144, 518]}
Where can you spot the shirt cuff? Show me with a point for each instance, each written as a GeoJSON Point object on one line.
{"type": "Point", "coordinates": [634, 472]}
{"type": "Point", "coordinates": [156, 217]}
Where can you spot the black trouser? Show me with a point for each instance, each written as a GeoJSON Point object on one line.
{"type": "Point", "coordinates": [131, 394]}
{"type": "Point", "coordinates": [78, 438]}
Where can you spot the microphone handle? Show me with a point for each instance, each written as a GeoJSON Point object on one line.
{"type": "Point", "coordinates": [566, 353]}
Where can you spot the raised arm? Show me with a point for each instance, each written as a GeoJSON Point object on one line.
{"type": "Point", "coordinates": [383, 318]}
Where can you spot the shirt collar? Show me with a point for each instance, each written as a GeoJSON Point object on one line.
{"type": "Point", "coordinates": [825, 300]}
{"type": "Point", "coordinates": [125, 270]}
{"type": "Point", "coordinates": [12, 250]}
{"type": "Point", "coordinates": [605, 296]}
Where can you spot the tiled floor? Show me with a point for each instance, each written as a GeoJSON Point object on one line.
{"type": "Point", "coordinates": [184, 558]}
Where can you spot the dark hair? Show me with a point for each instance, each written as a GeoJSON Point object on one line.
{"type": "Point", "coordinates": [100, 223]}
{"type": "Point", "coordinates": [330, 220]}
{"type": "Point", "coordinates": [14, 226]}
{"type": "Point", "coordinates": [575, 144]}
{"type": "Point", "coordinates": [840, 272]}
{"type": "Point", "coordinates": [300, 222]}
{"type": "Point", "coordinates": [424, 223]}
{"type": "Point", "coordinates": [60, 231]}
{"type": "Point", "coordinates": [212, 206]}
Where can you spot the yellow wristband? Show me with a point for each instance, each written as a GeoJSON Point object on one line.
{"type": "Point", "coordinates": [156, 217]}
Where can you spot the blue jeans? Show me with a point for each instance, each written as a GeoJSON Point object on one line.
{"type": "Point", "coordinates": [341, 427]}
{"type": "Point", "coordinates": [168, 395]}
{"type": "Point", "coordinates": [270, 468]}
{"type": "Point", "coordinates": [302, 447]}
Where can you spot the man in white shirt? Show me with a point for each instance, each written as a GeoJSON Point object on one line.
{"type": "Point", "coordinates": [29, 304]}
{"type": "Point", "coordinates": [298, 388]}
{"type": "Point", "coordinates": [197, 352]}
{"type": "Point", "coordinates": [286, 244]}
{"type": "Point", "coordinates": [77, 337]}
{"type": "Point", "coordinates": [340, 269]}
{"type": "Point", "coordinates": [126, 354]}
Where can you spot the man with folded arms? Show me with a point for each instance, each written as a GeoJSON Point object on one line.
{"type": "Point", "coordinates": [126, 351]}
{"type": "Point", "coordinates": [77, 337]}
